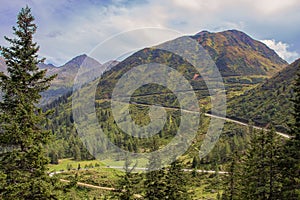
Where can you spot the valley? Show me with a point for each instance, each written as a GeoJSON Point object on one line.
{"type": "Point", "coordinates": [95, 153]}
{"type": "Point", "coordinates": [239, 126]}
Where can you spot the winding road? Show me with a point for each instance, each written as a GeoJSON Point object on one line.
{"type": "Point", "coordinates": [245, 124]}
{"type": "Point", "coordinates": [213, 116]}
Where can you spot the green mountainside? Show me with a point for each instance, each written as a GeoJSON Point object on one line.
{"type": "Point", "coordinates": [242, 61]}
{"type": "Point", "coordinates": [269, 102]}
{"type": "Point", "coordinates": [148, 56]}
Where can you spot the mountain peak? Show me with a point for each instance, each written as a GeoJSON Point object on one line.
{"type": "Point", "coordinates": [82, 60]}
{"type": "Point", "coordinates": [231, 31]}
{"type": "Point", "coordinates": [234, 31]}
{"type": "Point", "coordinates": [236, 53]}
{"type": "Point", "coordinates": [78, 60]}
{"type": "Point", "coordinates": [202, 32]}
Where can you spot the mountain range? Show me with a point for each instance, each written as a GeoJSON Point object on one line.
{"type": "Point", "coordinates": [242, 61]}
{"type": "Point", "coordinates": [258, 89]}
{"type": "Point", "coordinates": [66, 74]}
{"type": "Point", "coordinates": [249, 69]}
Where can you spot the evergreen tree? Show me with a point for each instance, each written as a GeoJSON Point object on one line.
{"type": "Point", "coordinates": [23, 168]}
{"type": "Point", "coordinates": [232, 179]}
{"type": "Point", "coordinates": [126, 189]}
{"type": "Point", "coordinates": [290, 162]}
{"type": "Point", "coordinates": [77, 153]}
{"type": "Point", "coordinates": [176, 182]}
{"type": "Point", "coordinates": [155, 184]}
{"type": "Point", "coordinates": [155, 179]}
{"type": "Point", "coordinates": [53, 157]}
{"type": "Point", "coordinates": [261, 176]}
{"type": "Point", "coordinates": [195, 162]}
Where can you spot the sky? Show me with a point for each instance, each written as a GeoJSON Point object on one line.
{"type": "Point", "coordinates": [67, 28]}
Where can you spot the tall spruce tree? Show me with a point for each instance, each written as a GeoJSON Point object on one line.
{"type": "Point", "coordinates": [155, 184]}
{"type": "Point", "coordinates": [155, 179]}
{"type": "Point", "coordinates": [231, 183]}
{"type": "Point", "coordinates": [260, 173]}
{"type": "Point", "coordinates": [290, 162]}
{"type": "Point", "coordinates": [176, 182]}
{"type": "Point", "coordinates": [128, 183]}
{"type": "Point", "coordinates": [23, 162]}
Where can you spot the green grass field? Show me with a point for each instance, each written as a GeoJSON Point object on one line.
{"type": "Point", "coordinates": [202, 186]}
{"type": "Point", "coordinates": [63, 164]}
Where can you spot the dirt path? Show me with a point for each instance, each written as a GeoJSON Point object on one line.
{"type": "Point", "coordinates": [89, 185]}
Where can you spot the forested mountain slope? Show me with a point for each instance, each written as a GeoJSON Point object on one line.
{"type": "Point", "coordinates": [269, 102]}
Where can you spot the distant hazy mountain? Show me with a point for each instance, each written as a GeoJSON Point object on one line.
{"type": "Point", "coordinates": [235, 53]}
{"type": "Point", "coordinates": [269, 101]}
{"type": "Point", "coordinates": [66, 74]}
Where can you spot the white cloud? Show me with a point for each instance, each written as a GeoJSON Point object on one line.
{"type": "Point", "coordinates": [282, 50]}
{"type": "Point", "coordinates": [274, 6]}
